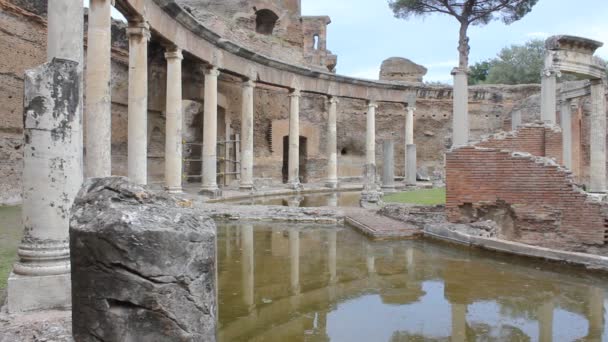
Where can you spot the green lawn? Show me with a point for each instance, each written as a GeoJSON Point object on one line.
{"type": "Point", "coordinates": [10, 235]}
{"type": "Point", "coordinates": [422, 197]}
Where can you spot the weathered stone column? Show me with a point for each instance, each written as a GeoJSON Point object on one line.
{"type": "Point", "coordinates": [294, 257]}
{"type": "Point", "coordinates": [370, 196]}
{"type": "Point", "coordinates": [52, 175]}
{"type": "Point", "coordinates": [548, 99]}
{"type": "Point", "coordinates": [388, 165]}
{"type": "Point", "coordinates": [332, 144]}
{"type": "Point", "coordinates": [294, 140]}
{"type": "Point", "coordinates": [139, 35]}
{"type": "Point", "coordinates": [410, 148]}
{"type": "Point", "coordinates": [248, 264]}
{"type": "Point", "coordinates": [460, 119]}
{"type": "Point", "coordinates": [459, 322]}
{"type": "Point", "coordinates": [209, 186]}
{"type": "Point", "coordinates": [545, 322]}
{"type": "Point", "coordinates": [247, 136]}
{"type": "Point", "coordinates": [98, 118]}
{"type": "Point", "coordinates": [598, 137]}
{"type": "Point", "coordinates": [173, 126]}
{"type": "Point", "coordinates": [566, 121]}
{"type": "Point", "coordinates": [52, 164]}
{"type": "Point", "coordinates": [370, 135]}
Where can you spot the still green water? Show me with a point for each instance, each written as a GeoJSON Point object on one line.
{"type": "Point", "coordinates": [316, 283]}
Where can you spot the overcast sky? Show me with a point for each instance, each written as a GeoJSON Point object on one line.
{"type": "Point", "coordinates": [364, 32]}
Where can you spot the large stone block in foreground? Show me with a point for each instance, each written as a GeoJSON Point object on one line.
{"type": "Point", "coordinates": [143, 266]}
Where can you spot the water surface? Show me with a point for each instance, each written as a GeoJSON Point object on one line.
{"type": "Point", "coordinates": [317, 283]}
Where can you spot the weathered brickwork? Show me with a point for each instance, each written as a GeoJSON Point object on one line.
{"type": "Point", "coordinates": [532, 198]}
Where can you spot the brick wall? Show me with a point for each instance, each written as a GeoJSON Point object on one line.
{"type": "Point", "coordinates": [532, 198]}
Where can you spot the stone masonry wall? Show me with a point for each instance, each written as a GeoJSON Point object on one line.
{"type": "Point", "coordinates": [532, 198]}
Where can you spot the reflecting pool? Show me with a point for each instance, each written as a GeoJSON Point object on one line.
{"type": "Point", "coordinates": [324, 283]}
{"type": "Point", "coordinates": [334, 199]}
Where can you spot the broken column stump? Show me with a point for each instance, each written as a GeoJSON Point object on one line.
{"type": "Point", "coordinates": [143, 266]}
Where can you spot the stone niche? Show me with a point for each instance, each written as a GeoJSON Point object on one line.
{"type": "Point", "coordinates": [401, 70]}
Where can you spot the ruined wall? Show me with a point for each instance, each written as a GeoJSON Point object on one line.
{"type": "Point", "coordinates": [533, 199]}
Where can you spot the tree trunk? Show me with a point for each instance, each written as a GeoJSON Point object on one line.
{"type": "Point", "coordinates": [463, 47]}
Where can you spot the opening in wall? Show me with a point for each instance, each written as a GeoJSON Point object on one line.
{"type": "Point", "coordinates": [265, 21]}
{"type": "Point", "coordinates": [315, 42]}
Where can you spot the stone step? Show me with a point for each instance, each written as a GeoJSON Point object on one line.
{"type": "Point", "coordinates": [380, 227]}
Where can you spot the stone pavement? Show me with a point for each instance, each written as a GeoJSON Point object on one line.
{"type": "Point", "coordinates": [379, 227]}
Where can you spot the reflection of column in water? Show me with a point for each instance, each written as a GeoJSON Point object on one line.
{"type": "Point", "coordinates": [332, 201]}
{"type": "Point", "coordinates": [228, 232]}
{"type": "Point", "coordinates": [248, 264]}
{"type": "Point", "coordinates": [459, 322]}
{"type": "Point", "coordinates": [596, 314]}
{"type": "Point", "coordinates": [371, 260]}
{"type": "Point", "coordinates": [294, 255]}
{"type": "Point", "coordinates": [331, 260]}
{"type": "Point", "coordinates": [409, 255]}
{"type": "Point", "coordinates": [545, 322]}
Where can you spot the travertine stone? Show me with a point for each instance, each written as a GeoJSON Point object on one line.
{"type": "Point", "coordinates": [460, 124]}
{"type": "Point", "coordinates": [173, 135]}
{"type": "Point", "coordinates": [209, 186]}
{"type": "Point", "coordinates": [370, 134]}
{"type": "Point", "coordinates": [388, 166]}
{"type": "Point", "coordinates": [410, 164]}
{"type": "Point", "coordinates": [548, 105]}
{"type": "Point", "coordinates": [294, 261]}
{"type": "Point", "coordinates": [65, 30]}
{"type": "Point", "coordinates": [597, 168]}
{"type": "Point", "coordinates": [247, 136]}
{"type": "Point", "coordinates": [52, 175]}
{"type": "Point", "coordinates": [401, 69]}
{"type": "Point", "coordinates": [566, 123]}
{"type": "Point", "coordinates": [332, 149]}
{"type": "Point", "coordinates": [143, 266]}
{"type": "Point", "coordinates": [294, 139]}
{"type": "Point", "coordinates": [139, 35]}
{"type": "Point", "coordinates": [98, 159]}
{"type": "Point", "coordinates": [409, 126]}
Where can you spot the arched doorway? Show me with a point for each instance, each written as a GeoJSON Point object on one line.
{"type": "Point", "coordinates": [303, 158]}
{"type": "Point", "coordinates": [265, 21]}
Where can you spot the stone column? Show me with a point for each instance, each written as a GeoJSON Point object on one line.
{"type": "Point", "coordinates": [173, 126]}
{"type": "Point", "coordinates": [545, 322]}
{"type": "Point", "coordinates": [388, 167]}
{"type": "Point", "coordinates": [459, 322]}
{"type": "Point", "coordinates": [566, 120]}
{"type": "Point", "coordinates": [370, 135]}
{"type": "Point", "coordinates": [294, 256]}
{"type": "Point", "coordinates": [65, 41]}
{"type": "Point", "coordinates": [247, 136]}
{"type": "Point", "coordinates": [294, 140]}
{"type": "Point", "coordinates": [410, 148]}
{"type": "Point", "coordinates": [139, 35]}
{"type": "Point", "coordinates": [52, 176]}
{"type": "Point", "coordinates": [332, 144]}
{"type": "Point", "coordinates": [370, 196]}
{"type": "Point", "coordinates": [598, 137]}
{"type": "Point", "coordinates": [548, 99]}
{"type": "Point", "coordinates": [209, 186]}
{"type": "Point", "coordinates": [248, 264]}
{"type": "Point", "coordinates": [98, 162]}
{"type": "Point", "coordinates": [460, 120]}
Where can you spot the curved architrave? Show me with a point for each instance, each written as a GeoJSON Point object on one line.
{"type": "Point", "coordinates": [171, 23]}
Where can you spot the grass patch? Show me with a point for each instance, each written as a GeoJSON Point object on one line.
{"type": "Point", "coordinates": [10, 236]}
{"type": "Point", "coordinates": [422, 197]}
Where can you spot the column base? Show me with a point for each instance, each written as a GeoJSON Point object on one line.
{"type": "Point", "coordinates": [332, 184]}
{"type": "Point", "coordinates": [371, 199]}
{"type": "Point", "coordinates": [31, 293]}
{"type": "Point", "coordinates": [211, 192]}
{"type": "Point", "coordinates": [174, 189]}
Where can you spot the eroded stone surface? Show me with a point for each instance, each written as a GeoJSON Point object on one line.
{"type": "Point", "coordinates": [143, 266]}
{"type": "Point", "coordinates": [401, 69]}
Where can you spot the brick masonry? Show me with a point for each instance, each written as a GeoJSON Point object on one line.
{"type": "Point", "coordinates": [515, 179]}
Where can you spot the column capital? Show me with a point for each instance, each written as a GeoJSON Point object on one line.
{"type": "Point", "coordinates": [212, 71]}
{"type": "Point", "coordinates": [459, 71]}
{"type": "Point", "coordinates": [248, 84]}
{"type": "Point", "coordinates": [550, 72]}
{"type": "Point", "coordinates": [411, 109]}
{"type": "Point", "coordinates": [333, 99]}
{"type": "Point", "coordinates": [372, 104]}
{"type": "Point", "coordinates": [138, 29]}
{"type": "Point", "coordinates": [174, 53]}
{"type": "Point", "coordinates": [295, 93]}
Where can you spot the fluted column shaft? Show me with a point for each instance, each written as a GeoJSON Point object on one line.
{"type": "Point", "coordinates": [332, 144]}
{"type": "Point", "coordinates": [209, 186]}
{"type": "Point", "coordinates": [598, 137]}
{"type": "Point", "coordinates": [247, 136]}
{"type": "Point", "coordinates": [173, 134]}
{"type": "Point", "coordinates": [294, 139]}
{"type": "Point", "coordinates": [139, 35]}
{"type": "Point", "coordinates": [98, 114]}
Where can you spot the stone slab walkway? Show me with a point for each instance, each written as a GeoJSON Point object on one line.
{"type": "Point", "coordinates": [379, 227]}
